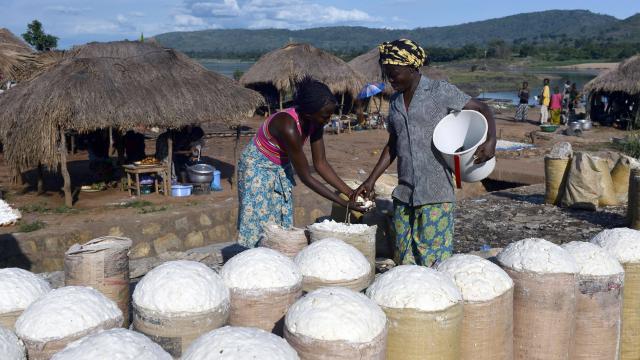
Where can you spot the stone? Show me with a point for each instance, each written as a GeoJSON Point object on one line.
{"type": "Point", "coordinates": [219, 233]}
{"type": "Point", "coordinates": [28, 247]}
{"type": "Point", "coordinates": [204, 220]}
{"type": "Point", "coordinates": [168, 242]}
{"type": "Point", "coordinates": [52, 245]}
{"type": "Point", "coordinates": [151, 229]}
{"type": "Point", "coordinates": [194, 239]}
{"type": "Point", "coordinates": [115, 231]}
{"type": "Point", "coordinates": [316, 214]}
{"type": "Point", "coordinates": [182, 224]}
{"type": "Point", "coordinates": [140, 250]}
{"type": "Point", "coordinates": [50, 264]}
{"type": "Point", "coordinates": [299, 216]}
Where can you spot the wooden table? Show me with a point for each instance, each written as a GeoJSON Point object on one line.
{"type": "Point", "coordinates": [134, 171]}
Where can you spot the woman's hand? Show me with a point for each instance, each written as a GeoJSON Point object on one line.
{"type": "Point", "coordinates": [365, 190]}
{"type": "Point", "coordinates": [486, 151]}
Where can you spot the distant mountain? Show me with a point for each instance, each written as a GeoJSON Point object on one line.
{"type": "Point", "coordinates": [538, 27]}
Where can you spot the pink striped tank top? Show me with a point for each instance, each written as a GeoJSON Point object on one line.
{"type": "Point", "coordinates": [268, 145]}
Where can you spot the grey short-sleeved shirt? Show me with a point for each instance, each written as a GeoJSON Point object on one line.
{"type": "Point", "coordinates": [423, 176]}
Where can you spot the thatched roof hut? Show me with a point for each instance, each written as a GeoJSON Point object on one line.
{"type": "Point", "coordinates": [14, 53]}
{"type": "Point", "coordinates": [118, 84]}
{"type": "Point", "coordinates": [282, 67]}
{"type": "Point", "coordinates": [624, 78]}
{"type": "Point", "coordinates": [367, 64]}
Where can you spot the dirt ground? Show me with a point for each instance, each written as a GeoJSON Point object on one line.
{"type": "Point", "coordinates": [352, 155]}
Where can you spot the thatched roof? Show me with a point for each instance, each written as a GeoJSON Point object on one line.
{"type": "Point", "coordinates": [118, 84]}
{"type": "Point", "coordinates": [367, 64]}
{"type": "Point", "coordinates": [284, 66]}
{"type": "Point", "coordinates": [624, 78]}
{"type": "Point", "coordinates": [14, 54]}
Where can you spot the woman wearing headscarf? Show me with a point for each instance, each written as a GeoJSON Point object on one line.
{"type": "Point", "coordinates": [265, 170]}
{"type": "Point", "coordinates": [424, 198]}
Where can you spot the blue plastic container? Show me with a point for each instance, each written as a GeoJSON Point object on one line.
{"type": "Point", "coordinates": [181, 190]}
{"type": "Point", "coordinates": [215, 182]}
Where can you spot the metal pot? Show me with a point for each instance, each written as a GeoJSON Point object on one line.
{"type": "Point", "coordinates": [585, 124]}
{"type": "Point", "coordinates": [574, 125]}
{"type": "Point", "coordinates": [200, 173]}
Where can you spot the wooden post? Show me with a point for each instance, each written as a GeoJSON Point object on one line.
{"type": "Point", "coordinates": [110, 141]}
{"type": "Point", "coordinates": [341, 105]}
{"type": "Point", "coordinates": [40, 181]}
{"type": "Point", "coordinates": [280, 97]}
{"type": "Point", "coordinates": [66, 188]}
{"type": "Point", "coordinates": [170, 156]}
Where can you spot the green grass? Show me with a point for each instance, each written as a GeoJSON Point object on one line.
{"type": "Point", "coordinates": [32, 226]}
{"type": "Point", "coordinates": [144, 206]}
{"type": "Point", "coordinates": [40, 208]}
{"type": "Point", "coordinates": [630, 147]}
{"type": "Point", "coordinates": [137, 204]}
{"type": "Point", "coordinates": [152, 209]}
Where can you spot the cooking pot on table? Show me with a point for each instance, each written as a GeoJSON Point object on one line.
{"type": "Point", "coordinates": [585, 124]}
{"type": "Point", "coordinates": [200, 173]}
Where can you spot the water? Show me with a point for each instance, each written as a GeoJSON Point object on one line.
{"type": "Point", "coordinates": [559, 78]}
{"type": "Point", "coordinates": [226, 67]}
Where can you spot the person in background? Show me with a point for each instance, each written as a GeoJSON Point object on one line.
{"type": "Point", "coordinates": [523, 104]}
{"type": "Point", "coordinates": [545, 100]}
{"type": "Point", "coordinates": [565, 94]}
{"type": "Point", "coordinates": [556, 106]}
{"type": "Point", "coordinates": [134, 146]}
{"type": "Point", "coordinates": [574, 99]}
{"type": "Point", "coordinates": [187, 143]}
{"type": "Point", "coordinates": [424, 198]}
{"type": "Point", "coordinates": [265, 169]}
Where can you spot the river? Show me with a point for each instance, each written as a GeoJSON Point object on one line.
{"type": "Point", "coordinates": [580, 77]}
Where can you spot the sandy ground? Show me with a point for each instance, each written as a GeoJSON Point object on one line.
{"type": "Point", "coordinates": [352, 155]}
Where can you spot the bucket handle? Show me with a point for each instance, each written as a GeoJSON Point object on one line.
{"type": "Point", "coordinates": [456, 162]}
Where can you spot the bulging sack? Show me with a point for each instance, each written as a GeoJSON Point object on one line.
{"type": "Point", "coordinates": [630, 347]}
{"type": "Point", "coordinates": [365, 241]}
{"type": "Point", "coordinates": [287, 241]}
{"type": "Point", "coordinates": [583, 186]}
{"type": "Point", "coordinates": [314, 349]}
{"type": "Point", "coordinates": [262, 309]}
{"type": "Point", "coordinates": [487, 329]}
{"type": "Point", "coordinates": [555, 174]}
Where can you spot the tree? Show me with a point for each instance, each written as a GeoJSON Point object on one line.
{"type": "Point", "coordinates": [37, 38]}
{"type": "Point", "coordinates": [237, 74]}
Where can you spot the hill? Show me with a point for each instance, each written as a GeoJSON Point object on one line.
{"type": "Point", "coordinates": [547, 27]}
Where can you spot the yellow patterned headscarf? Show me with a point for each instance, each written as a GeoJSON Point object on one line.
{"type": "Point", "coordinates": [402, 52]}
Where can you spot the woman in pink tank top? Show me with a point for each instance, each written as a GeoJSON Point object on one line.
{"type": "Point", "coordinates": [265, 170]}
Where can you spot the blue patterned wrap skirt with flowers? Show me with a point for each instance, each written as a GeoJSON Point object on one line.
{"type": "Point", "coordinates": [265, 195]}
{"type": "Point", "coordinates": [424, 234]}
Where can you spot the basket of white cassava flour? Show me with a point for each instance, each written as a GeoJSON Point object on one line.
{"type": "Point", "coordinates": [424, 309]}
{"type": "Point", "coordinates": [287, 241]}
{"type": "Point", "coordinates": [102, 264]}
{"type": "Point", "coordinates": [177, 302]}
{"type": "Point", "coordinates": [234, 343]}
{"type": "Point", "coordinates": [487, 291]}
{"type": "Point", "coordinates": [11, 347]}
{"type": "Point", "coordinates": [114, 344]}
{"type": "Point", "coordinates": [263, 284]}
{"type": "Point", "coordinates": [545, 292]}
{"type": "Point", "coordinates": [336, 323]}
{"type": "Point", "coordinates": [599, 306]}
{"type": "Point", "coordinates": [624, 245]}
{"type": "Point", "coordinates": [333, 262]}
{"type": "Point", "coordinates": [360, 236]}
{"type": "Point", "coordinates": [18, 289]}
{"type": "Point", "coordinates": [63, 316]}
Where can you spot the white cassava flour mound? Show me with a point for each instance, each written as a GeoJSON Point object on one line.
{"type": "Point", "coordinates": [178, 287]}
{"type": "Point", "coordinates": [332, 260]}
{"type": "Point", "coordinates": [66, 311]}
{"type": "Point", "coordinates": [11, 348]}
{"type": "Point", "coordinates": [539, 256]}
{"type": "Point", "coordinates": [592, 259]}
{"type": "Point", "coordinates": [330, 225]}
{"type": "Point", "coordinates": [623, 243]}
{"type": "Point", "coordinates": [19, 288]}
{"type": "Point", "coordinates": [478, 279]}
{"type": "Point", "coordinates": [239, 343]}
{"type": "Point", "coordinates": [260, 268]}
{"type": "Point", "coordinates": [414, 287]}
{"type": "Point", "coordinates": [8, 215]}
{"type": "Point", "coordinates": [336, 314]}
{"type": "Point", "coordinates": [113, 344]}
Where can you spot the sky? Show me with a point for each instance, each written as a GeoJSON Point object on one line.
{"type": "Point", "coordinates": [79, 21]}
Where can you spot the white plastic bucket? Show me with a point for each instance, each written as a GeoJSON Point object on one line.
{"type": "Point", "coordinates": [466, 129]}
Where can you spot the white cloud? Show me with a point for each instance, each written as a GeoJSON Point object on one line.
{"type": "Point", "coordinates": [66, 10]}
{"type": "Point", "coordinates": [185, 22]}
{"type": "Point", "coordinates": [216, 9]}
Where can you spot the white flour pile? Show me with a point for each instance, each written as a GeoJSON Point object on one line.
{"type": "Point", "coordinates": [66, 311]}
{"type": "Point", "coordinates": [332, 260]}
{"type": "Point", "coordinates": [240, 343]}
{"type": "Point", "coordinates": [330, 225]}
{"type": "Point", "coordinates": [623, 243]}
{"type": "Point", "coordinates": [478, 279]}
{"type": "Point", "coordinates": [592, 259]}
{"type": "Point", "coordinates": [260, 268]}
{"type": "Point", "coordinates": [182, 286]}
{"type": "Point", "coordinates": [8, 215]}
{"type": "Point", "coordinates": [336, 314]}
{"type": "Point", "coordinates": [539, 256]}
{"type": "Point", "coordinates": [19, 288]}
{"type": "Point", "coordinates": [414, 287]}
{"type": "Point", "coordinates": [11, 348]}
{"type": "Point", "coordinates": [114, 344]}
